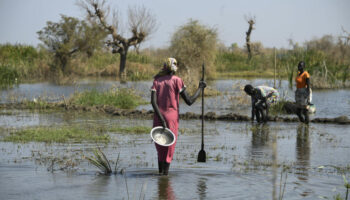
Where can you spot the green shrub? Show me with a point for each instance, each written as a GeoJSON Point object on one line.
{"type": "Point", "coordinates": [232, 61]}
{"type": "Point", "coordinates": [118, 97]}
{"type": "Point", "coordinates": [194, 43]}
{"type": "Point", "coordinates": [29, 62]}
{"type": "Point", "coordinates": [137, 71]}
{"type": "Point", "coordinates": [100, 60]}
{"type": "Point", "coordinates": [17, 53]}
{"type": "Point", "coordinates": [278, 107]}
{"type": "Point", "coordinates": [8, 76]}
{"type": "Point", "coordinates": [139, 58]}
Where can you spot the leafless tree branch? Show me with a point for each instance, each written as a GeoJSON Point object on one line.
{"type": "Point", "coordinates": [140, 20]}
{"type": "Point", "coordinates": [251, 21]}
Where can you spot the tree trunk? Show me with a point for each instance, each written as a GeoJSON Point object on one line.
{"type": "Point", "coordinates": [251, 22]}
{"type": "Point", "coordinates": [122, 65]}
{"type": "Point", "coordinates": [248, 49]}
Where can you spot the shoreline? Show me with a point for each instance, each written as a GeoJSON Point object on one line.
{"type": "Point", "coordinates": [343, 120]}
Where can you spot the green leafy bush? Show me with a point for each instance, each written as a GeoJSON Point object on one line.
{"type": "Point", "coordinates": [8, 76]}
{"type": "Point", "coordinates": [118, 97]}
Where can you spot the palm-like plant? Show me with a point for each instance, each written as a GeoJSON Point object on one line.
{"type": "Point", "coordinates": [100, 161]}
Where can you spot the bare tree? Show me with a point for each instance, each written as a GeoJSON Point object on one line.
{"type": "Point", "coordinates": [251, 21]}
{"type": "Point", "coordinates": [141, 24]}
{"type": "Point", "coordinates": [346, 36]}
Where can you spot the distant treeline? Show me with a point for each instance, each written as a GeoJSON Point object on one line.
{"type": "Point", "coordinates": [327, 60]}
{"type": "Point", "coordinates": [72, 47]}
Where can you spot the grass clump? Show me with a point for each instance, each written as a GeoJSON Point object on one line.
{"type": "Point", "coordinates": [100, 161]}
{"type": "Point", "coordinates": [140, 71]}
{"type": "Point", "coordinates": [278, 107]}
{"type": "Point", "coordinates": [36, 104]}
{"type": "Point", "coordinates": [119, 97]}
{"type": "Point", "coordinates": [133, 129]}
{"type": "Point", "coordinates": [58, 134]}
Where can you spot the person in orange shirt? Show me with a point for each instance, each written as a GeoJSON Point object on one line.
{"type": "Point", "coordinates": [303, 92]}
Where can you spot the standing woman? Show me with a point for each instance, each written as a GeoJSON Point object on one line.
{"type": "Point", "coordinates": [303, 92]}
{"type": "Point", "coordinates": [165, 93]}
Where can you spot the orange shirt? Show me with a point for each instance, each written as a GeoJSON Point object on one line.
{"type": "Point", "coordinates": [301, 79]}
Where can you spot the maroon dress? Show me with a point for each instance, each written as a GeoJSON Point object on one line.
{"type": "Point", "coordinates": [168, 90]}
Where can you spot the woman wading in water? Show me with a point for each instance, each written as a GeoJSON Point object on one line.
{"type": "Point", "coordinates": [303, 93]}
{"type": "Point", "coordinates": [165, 93]}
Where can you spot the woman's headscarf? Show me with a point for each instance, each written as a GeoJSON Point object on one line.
{"type": "Point", "coordinates": [169, 67]}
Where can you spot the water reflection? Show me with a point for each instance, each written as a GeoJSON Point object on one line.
{"type": "Point", "coordinates": [165, 190]}
{"type": "Point", "coordinates": [260, 139]}
{"type": "Point", "coordinates": [100, 186]}
{"type": "Point", "coordinates": [302, 151]}
{"type": "Point", "coordinates": [202, 188]}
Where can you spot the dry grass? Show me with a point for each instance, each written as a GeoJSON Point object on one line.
{"type": "Point", "coordinates": [191, 79]}
{"type": "Point", "coordinates": [323, 82]}
{"type": "Point", "coordinates": [240, 99]}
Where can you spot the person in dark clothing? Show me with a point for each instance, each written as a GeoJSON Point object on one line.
{"type": "Point", "coordinates": [302, 93]}
{"type": "Point", "coordinates": [262, 97]}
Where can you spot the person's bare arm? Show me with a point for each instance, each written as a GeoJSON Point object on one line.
{"type": "Point", "coordinates": [191, 99]}
{"type": "Point", "coordinates": [156, 108]}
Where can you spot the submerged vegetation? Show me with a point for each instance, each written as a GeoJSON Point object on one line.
{"type": "Point", "coordinates": [71, 134]}
{"type": "Point", "coordinates": [278, 107]}
{"type": "Point", "coordinates": [51, 134]}
{"type": "Point", "coordinates": [347, 186]}
{"type": "Point", "coordinates": [132, 129]}
{"type": "Point", "coordinates": [327, 59]}
{"type": "Point", "coordinates": [100, 161]}
{"type": "Point", "coordinates": [117, 97]}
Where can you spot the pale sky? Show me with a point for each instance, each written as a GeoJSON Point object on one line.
{"type": "Point", "coordinates": [276, 20]}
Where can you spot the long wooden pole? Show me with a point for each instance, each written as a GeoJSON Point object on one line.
{"type": "Point", "coordinates": [274, 72]}
{"type": "Point", "coordinates": [202, 147]}
{"type": "Point", "coordinates": [202, 155]}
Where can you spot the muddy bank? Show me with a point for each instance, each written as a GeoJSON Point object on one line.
{"type": "Point", "coordinates": [237, 117]}
{"type": "Point", "coordinates": [149, 113]}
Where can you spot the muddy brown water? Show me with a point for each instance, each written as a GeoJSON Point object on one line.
{"type": "Point", "coordinates": [239, 165]}
{"type": "Point", "coordinates": [240, 155]}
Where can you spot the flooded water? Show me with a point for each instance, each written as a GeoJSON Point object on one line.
{"type": "Point", "coordinates": [329, 103]}
{"type": "Point", "coordinates": [240, 160]}
{"type": "Point", "coordinates": [244, 160]}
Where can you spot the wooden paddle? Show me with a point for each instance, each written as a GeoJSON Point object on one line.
{"type": "Point", "coordinates": [202, 154]}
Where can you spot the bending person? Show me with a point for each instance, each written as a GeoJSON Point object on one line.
{"type": "Point", "coordinates": [262, 97]}
{"type": "Point", "coordinates": [165, 93]}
